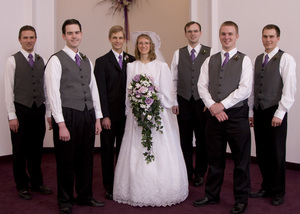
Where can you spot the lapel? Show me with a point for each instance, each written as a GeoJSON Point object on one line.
{"type": "Point", "coordinates": [114, 61]}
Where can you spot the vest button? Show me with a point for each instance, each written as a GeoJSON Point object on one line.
{"type": "Point", "coordinates": [219, 92]}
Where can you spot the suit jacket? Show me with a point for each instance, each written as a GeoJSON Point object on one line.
{"type": "Point", "coordinates": [111, 81]}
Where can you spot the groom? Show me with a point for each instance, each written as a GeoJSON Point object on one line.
{"type": "Point", "coordinates": [110, 73]}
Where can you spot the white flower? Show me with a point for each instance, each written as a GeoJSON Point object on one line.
{"type": "Point", "coordinates": [143, 106]}
{"type": "Point", "coordinates": [149, 117]}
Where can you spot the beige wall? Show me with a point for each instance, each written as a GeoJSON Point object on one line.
{"type": "Point", "coordinates": [167, 18]}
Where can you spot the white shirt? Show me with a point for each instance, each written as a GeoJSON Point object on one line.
{"type": "Point", "coordinates": [174, 66]}
{"type": "Point", "coordinates": [241, 93]}
{"type": "Point", "coordinates": [117, 54]}
{"type": "Point", "coordinates": [287, 70]}
{"type": "Point", "coordinates": [9, 81]}
{"type": "Point", "coordinates": [53, 74]}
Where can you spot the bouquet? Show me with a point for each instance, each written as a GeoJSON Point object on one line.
{"type": "Point", "coordinates": [146, 108]}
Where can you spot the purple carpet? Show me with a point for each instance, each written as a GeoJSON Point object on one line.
{"type": "Point", "coordinates": [10, 203]}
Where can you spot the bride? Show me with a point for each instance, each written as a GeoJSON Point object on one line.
{"type": "Point", "coordinates": [162, 182]}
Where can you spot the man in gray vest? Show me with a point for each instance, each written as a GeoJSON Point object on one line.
{"type": "Point", "coordinates": [225, 83]}
{"type": "Point", "coordinates": [188, 106]}
{"type": "Point", "coordinates": [24, 99]}
{"type": "Point", "coordinates": [76, 112]}
{"type": "Point", "coordinates": [273, 96]}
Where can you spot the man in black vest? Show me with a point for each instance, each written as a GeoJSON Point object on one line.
{"type": "Point", "coordinates": [24, 97]}
{"type": "Point", "coordinates": [76, 112]}
{"type": "Point", "coordinates": [188, 106]}
{"type": "Point", "coordinates": [274, 90]}
{"type": "Point", "coordinates": [224, 85]}
{"type": "Point", "coordinates": [110, 74]}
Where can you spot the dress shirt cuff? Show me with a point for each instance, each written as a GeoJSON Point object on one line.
{"type": "Point", "coordinates": [48, 114]}
{"type": "Point", "coordinates": [175, 102]}
{"type": "Point", "coordinates": [209, 103]}
{"type": "Point", "coordinates": [12, 116]}
{"type": "Point", "coordinates": [279, 113]}
{"type": "Point", "coordinates": [98, 114]}
{"type": "Point", "coordinates": [59, 118]}
{"type": "Point", "coordinates": [251, 113]}
{"type": "Point", "coordinates": [226, 104]}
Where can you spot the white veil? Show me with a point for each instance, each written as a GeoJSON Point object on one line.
{"type": "Point", "coordinates": [156, 40]}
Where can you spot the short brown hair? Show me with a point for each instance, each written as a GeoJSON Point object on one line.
{"type": "Point", "coordinates": [272, 26]}
{"type": "Point", "coordinates": [152, 55]}
{"type": "Point", "coordinates": [70, 22]}
{"type": "Point", "coordinates": [25, 28]}
{"type": "Point", "coordinates": [116, 29]}
{"type": "Point", "coordinates": [191, 23]}
{"type": "Point", "coordinates": [230, 23]}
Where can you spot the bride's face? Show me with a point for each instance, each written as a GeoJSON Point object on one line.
{"type": "Point", "coordinates": [144, 46]}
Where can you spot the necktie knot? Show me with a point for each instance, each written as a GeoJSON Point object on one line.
{"type": "Point", "coordinates": [193, 56]}
{"type": "Point", "coordinates": [266, 60]}
{"type": "Point", "coordinates": [226, 58]}
{"type": "Point", "coordinates": [120, 61]}
{"type": "Point", "coordinates": [77, 59]}
{"type": "Point", "coordinates": [31, 62]}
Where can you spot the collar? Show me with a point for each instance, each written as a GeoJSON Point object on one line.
{"type": "Point", "coordinates": [70, 52]}
{"type": "Point", "coordinates": [272, 53]}
{"type": "Point", "coordinates": [231, 53]}
{"type": "Point", "coordinates": [25, 54]}
{"type": "Point", "coordinates": [197, 49]}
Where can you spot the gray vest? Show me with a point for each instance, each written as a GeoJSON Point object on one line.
{"type": "Point", "coordinates": [74, 83]}
{"type": "Point", "coordinates": [267, 82]}
{"type": "Point", "coordinates": [29, 82]}
{"type": "Point", "coordinates": [189, 72]}
{"type": "Point", "coordinates": [224, 80]}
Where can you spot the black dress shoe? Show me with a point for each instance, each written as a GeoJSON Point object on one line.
{"type": "Point", "coordinates": [260, 194]}
{"type": "Point", "coordinates": [91, 203]}
{"type": "Point", "coordinates": [198, 181]}
{"type": "Point", "coordinates": [42, 189]}
{"type": "Point", "coordinates": [204, 201]}
{"type": "Point", "coordinates": [109, 195]}
{"type": "Point", "coordinates": [65, 210]}
{"type": "Point", "coordinates": [277, 200]}
{"type": "Point", "coordinates": [238, 208]}
{"type": "Point", "coordinates": [25, 194]}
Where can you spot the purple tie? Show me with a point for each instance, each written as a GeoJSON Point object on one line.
{"type": "Point", "coordinates": [77, 59]}
{"type": "Point", "coordinates": [31, 62]}
{"type": "Point", "coordinates": [266, 60]}
{"type": "Point", "coordinates": [226, 58]}
{"type": "Point", "coordinates": [120, 61]}
{"type": "Point", "coordinates": [193, 54]}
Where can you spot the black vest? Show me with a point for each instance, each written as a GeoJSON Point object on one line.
{"type": "Point", "coordinates": [189, 72]}
{"type": "Point", "coordinates": [224, 80]}
{"type": "Point", "coordinates": [267, 82]}
{"type": "Point", "coordinates": [29, 81]}
{"type": "Point", "coordinates": [74, 83]}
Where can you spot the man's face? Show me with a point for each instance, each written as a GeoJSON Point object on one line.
{"type": "Point", "coordinates": [27, 40]}
{"type": "Point", "coordinates": [72, 36]}
{"type": "Point", "coordinates": [117, 41]}
{"type": "Point", "coordinates": [270, 39]}
{"type": "Point", "coordinates": [193, 34]}
{"type": "Point", "coordinates": [228, 37]}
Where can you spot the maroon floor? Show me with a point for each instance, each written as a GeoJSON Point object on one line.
{"type": "Point", "coordinates": [40, 204]}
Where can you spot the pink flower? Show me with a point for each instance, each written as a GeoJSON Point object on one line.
{"type": "Point", "coordinates": [149, 101]}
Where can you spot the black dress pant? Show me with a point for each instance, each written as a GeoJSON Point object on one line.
{"type": "Point", "coordinates": [27, 145]}
{"type": "Point", "coordinates": [271, 150]}
{"type": "Point", "coordinates": [235, 131]}
{"type": "Point", "coordinates": [108, 139]}
{"type": "Point", "coordinates": [192, 120]}
{"type": "Point", "coordinates": [74, 158]}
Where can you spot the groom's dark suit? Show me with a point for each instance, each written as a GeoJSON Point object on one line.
{"type": "Point", "coordinates": [111, 81]}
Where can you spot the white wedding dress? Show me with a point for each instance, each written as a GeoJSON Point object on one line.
{"type": "Point", "coordinates": [162, 182]}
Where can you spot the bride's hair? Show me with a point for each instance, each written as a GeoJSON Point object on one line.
{"type": "Point", "coordinates": [152, 55]}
